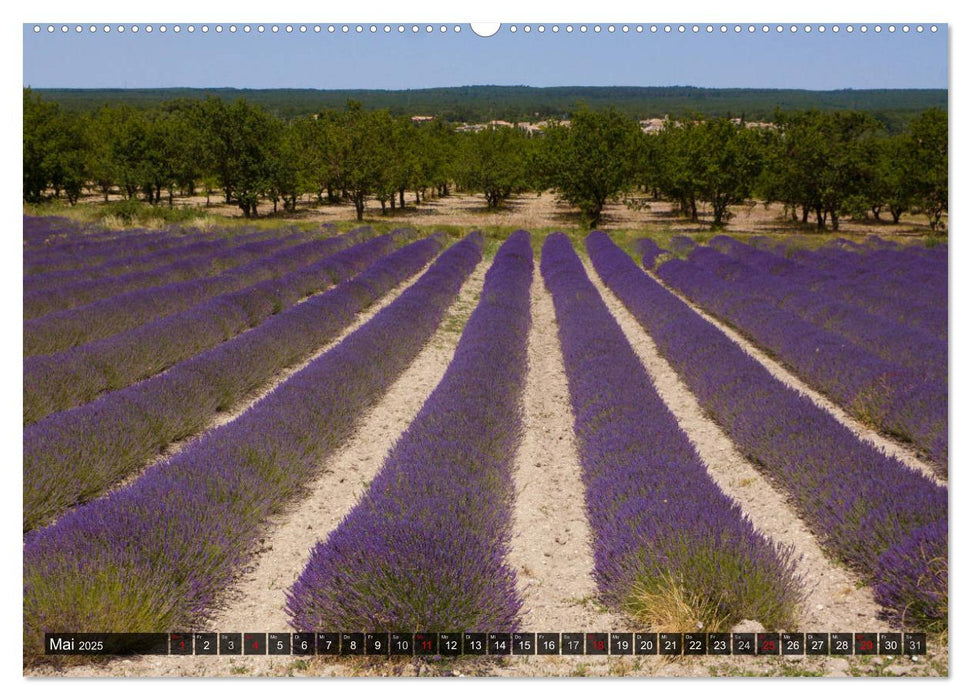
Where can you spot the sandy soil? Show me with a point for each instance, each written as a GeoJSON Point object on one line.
{"type": "Point", "coordinates": [532, 211]}
{"type": "Point", "coordinates": [551, 549]}
{"type": "Point", "coordinates": [835, 600]}
{"type": "Point", "coordinates": [894, 448]}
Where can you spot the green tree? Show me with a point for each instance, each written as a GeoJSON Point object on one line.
{"type": "Point", "coordinates": [592, 160]}
{"type": "Point", "coordinates": [240, 140]}
{"type": "Point", "coordinates": [928, 140]}
{"type": "Point", "coordinates": [364, 147]}
{"type": "Point", "coordinates": [823, 162]}
{"type": "Point", "coordinates": [54, 150]}
{"type": "Point", "coordinates": [493, 162]}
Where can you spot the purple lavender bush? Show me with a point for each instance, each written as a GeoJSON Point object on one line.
{"type": "Point", "coordinates": [72, 456]}
{"type": "Point", "coordinates": [648, 251]}
{"type": "Point", "coordinates": [662, 529]}
{"type": "Point", "coordinates": [97, 247]}
{"type": "Point", "coordinates": [681, 245]}
{"type": "Point", "coordinates": [901, 286]}
{"type": "Point", "coordinates": [425, 547]}
{"type": "Point", "coordinates": [72, 377]}
{"type": "Point", "coordinates": [897, 399]}
{"type": "Point", "coordinates": [61, 330]}
{"type": "Point", "coordinates": [869, 510]}
{"type": "Point", "coordinates": [894, 342]}
{"type": "Point", "coordinates": [200, 259]}
{"type": "Point", "coordinates": [160, 553]}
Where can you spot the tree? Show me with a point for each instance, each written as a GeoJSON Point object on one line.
{"type": "Point", "coordinates": [287, 167]}
{"type": "Point", "coordinates": [823, 162]}
{"type": "Point", "coordinates": [592, 160]}
{"type": "Point", "coordinates": [493, 162]}
{"type": "Point", "coordinates": [54, 150]}
{"type": "Point", "coordinates": [928, 139]}
{"type": "Point", "coordinates": [364, 149]}
{"type": "Point", "coordinates": [730, 160]}
{"type": "Point", "coordinates": [240, 138]}
{"type": "Point", "coordinates": [894, 184]}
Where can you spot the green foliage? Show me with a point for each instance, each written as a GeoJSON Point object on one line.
{"type": "Point", "coordinates": [928, 141]}
{"type": "Point", "coordinates": [54, 150]}
{"type": "Point", "coordinates": [493, 161]}
{"type": "Point", "coordinates": [592, 160]}
{"type": "Point", "coordinates": [830, 164]}
{"type": "Point", "coordinates": [822, 162]}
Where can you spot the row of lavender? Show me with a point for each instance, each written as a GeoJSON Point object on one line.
{"type": "Point", "coordinates": [425, 547]}
{"type": "Point", "coordinates": [61, 330]}
{"type": "Point", "coordinates": [894, 342]}
{"type": "Point", "coordinates": [67, 289]}
{"type": "Point", "coordinates": [74, 455]}
{"type": "Point", "coordinates": [159, 554]}
{"type": "Point", "coordinates": [48, 232]}
{"type": "Point", "coordinates": [902, 400]}
{"type": "Point", "coordinates": [90, 245]}
{"type": "Point", "coordinates": [906, 286]}
{"type": "Point", "coordinates": [872, 512]}
{"type": "Point", "coordinates": [51, 243]}
{"type": "Point", "coordinates": [73, 377]}
{"type": "Point", "coordinates": [662, 529]}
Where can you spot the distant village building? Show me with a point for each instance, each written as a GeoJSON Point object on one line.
{"type": "Point", "coordinates": [649, 125]}
{"type": "Point", "coordinates": [422, 118]}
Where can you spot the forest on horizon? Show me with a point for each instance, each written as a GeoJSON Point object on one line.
{"type": "Point", "coordinates": [480, 103]}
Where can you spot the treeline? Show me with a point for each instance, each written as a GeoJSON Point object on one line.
{"type": "Point", "coordinates": [482, 103]}
{"type": "Point", "coordinates": [822, 166]}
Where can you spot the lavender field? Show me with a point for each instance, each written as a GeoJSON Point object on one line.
{"type": "Point", "coordinates": [350, 429]}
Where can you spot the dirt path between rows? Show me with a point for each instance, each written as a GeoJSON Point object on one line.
{"type": "Point", "coordinates": [257, 600]}
{"type": "Point", "coordinates": [890, 447]}
{"type": "Point", "coordinates": [834, 602]}
{"type": "Point", "coordinates": [551, 546]}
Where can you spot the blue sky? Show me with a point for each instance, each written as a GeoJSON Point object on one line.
{"type": "Point", "coordinates": [394, 61]}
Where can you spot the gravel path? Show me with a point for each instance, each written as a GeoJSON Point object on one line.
{"type": "Point", "coordinates": [551, 546]}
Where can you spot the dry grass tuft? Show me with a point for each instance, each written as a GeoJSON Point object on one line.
{"type": "Point", "coordinates": [665, 604]}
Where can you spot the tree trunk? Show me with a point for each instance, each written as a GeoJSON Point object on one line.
{"type": "Point", "coordinates": [401, 197]}
{"type": "Point", "coordinates": [895, 213]}
{"type": "Point", "coordinates": [834, 217]}
{"type": "Point", "coordinates": [393, 199]}
{"type": "Point", "coordinates": [694, 209]}
{"type": "Point", "coordinates": [876, 212]}
{"type": "Point", "coordinates": [820, 218]}
{"type": "Point", "coordinates": [359, 207]}
{"type": "Point", "coordinates": [384, 207]}
{"type": "Point", "coordinates": [805, 214]}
